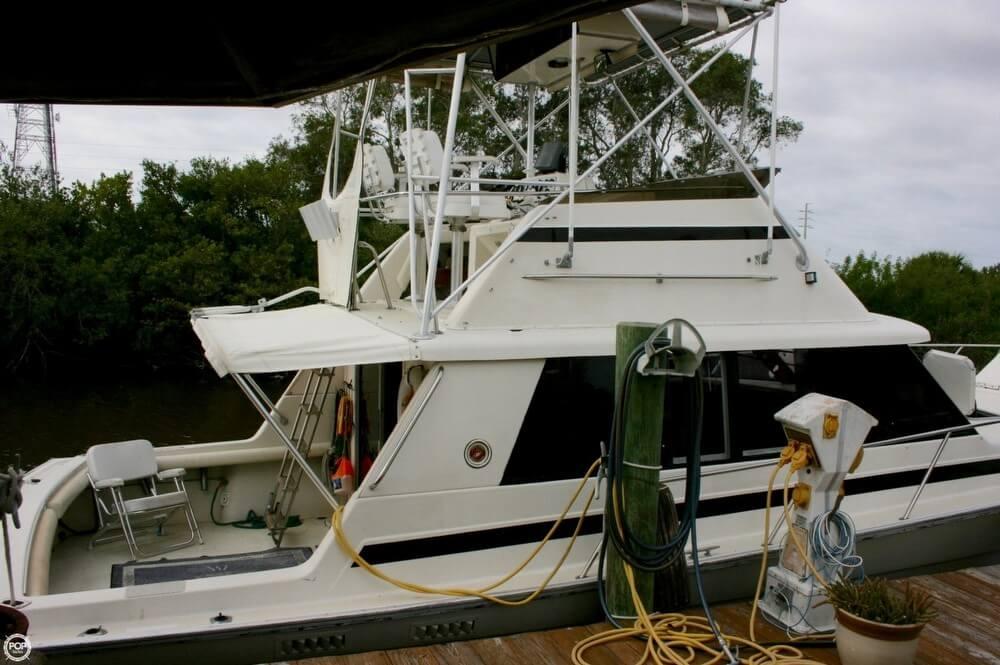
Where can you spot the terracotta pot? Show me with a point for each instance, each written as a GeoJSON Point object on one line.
{"type": "Point", "coordinates": [864, 642]}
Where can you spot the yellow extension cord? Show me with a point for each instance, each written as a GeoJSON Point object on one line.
{"type": "Point", "coordinates": [483, 592]}
{"type": "Point", "coordinates": [673, 638]}
{"type": "Point", "coordinates": [796, 463]}
{"type": "Point", "coordinates": [679, 639]}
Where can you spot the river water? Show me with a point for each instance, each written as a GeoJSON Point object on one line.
{"type": "Point", "coordinates": [58, 419]}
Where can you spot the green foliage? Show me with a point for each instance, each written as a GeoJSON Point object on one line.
{"type": "Point", "coordinates": [942, 292]}
{"type": "Point", "coordinates": [873, 599]}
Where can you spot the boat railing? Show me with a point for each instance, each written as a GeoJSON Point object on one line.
{"type": "Point", "coordinates": [958, 348]}
{"type": "Point", "coordinates": [262, 304]}
{"type": "Point", "coordinates": [409, 427]}
{"type": "Point", "coordinates": [909, 438]}
{"type": "Point", "coordinates": [376, 259]}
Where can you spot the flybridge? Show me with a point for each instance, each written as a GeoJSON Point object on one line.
{"type": "Point", "coordinates": [440, 191]}
{"type": "Point", "coordinates": [550, 250]}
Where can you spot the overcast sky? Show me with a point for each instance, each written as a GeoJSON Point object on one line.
{"type": "Point", "coordinates": [900, 152]}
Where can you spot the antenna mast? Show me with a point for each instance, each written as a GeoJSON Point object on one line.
{"type": "Point", "coordinates": [36, 131]}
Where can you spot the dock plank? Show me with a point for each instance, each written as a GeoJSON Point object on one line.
{"type": "Point", "coordinates": [967, 630]}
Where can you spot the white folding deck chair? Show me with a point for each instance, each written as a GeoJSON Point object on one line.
{"type": "Point", "coordinates": [109, 467]}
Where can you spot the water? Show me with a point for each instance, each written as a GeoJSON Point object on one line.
{"type": "Point", "coordinates": [42, 421]}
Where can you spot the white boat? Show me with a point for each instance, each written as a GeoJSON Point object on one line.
{"type": "Point", "coordinates": [478, 354]}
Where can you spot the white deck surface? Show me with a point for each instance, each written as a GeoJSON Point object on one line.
{"type": "Point", "coordinates": [75, 568]}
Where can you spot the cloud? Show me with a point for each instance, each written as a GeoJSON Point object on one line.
{"type": "Point", "coordinates": [901, 147]}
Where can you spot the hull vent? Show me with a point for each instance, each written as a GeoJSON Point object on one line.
{"type": "Point", "coordinates": [313, 645]}
{"type": "Point", "coordinates": [439, 632]}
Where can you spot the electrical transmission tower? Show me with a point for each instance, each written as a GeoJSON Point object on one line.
{"type": "Point", "coordinates": [36, 132]}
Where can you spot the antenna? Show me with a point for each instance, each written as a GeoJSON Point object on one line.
{"type": "Point", "coordinates": [36, 131]}
{"type": "Point", "coordinates": [804, 218]}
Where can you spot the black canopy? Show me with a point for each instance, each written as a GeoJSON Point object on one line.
{"type": "Point", "coordinates": [265, 56]}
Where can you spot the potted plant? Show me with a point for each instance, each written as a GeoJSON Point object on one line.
{"type": "Point", "coordinates": [876, 624]}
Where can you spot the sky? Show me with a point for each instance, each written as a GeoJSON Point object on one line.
{"type": "Point", "coordinates": [900, 100]}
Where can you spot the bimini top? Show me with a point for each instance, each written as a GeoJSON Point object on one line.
{"type": "Point", "coordinates": [263, 59]}
{"type": "Point", "coordinates": [258, 58]}
{"type": "Point", "coordinates": [298, 338]}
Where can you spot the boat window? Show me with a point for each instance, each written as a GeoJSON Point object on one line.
{"type": "Point", "coordinates": [571, 410]}
{"type": "Point", "coordinates": [888, 382]}
{"type": "Point", "coordinates": [764, 382]}
{"type": "Point", "coordinates": [678, 423]}
{"type": "Point", "coordinates": [569, 415]}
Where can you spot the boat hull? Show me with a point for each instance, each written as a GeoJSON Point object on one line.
{"type": "Point", "coordinates": [904, 549]}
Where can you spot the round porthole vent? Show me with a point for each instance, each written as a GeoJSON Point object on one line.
{"type": "Point", "coordinates": [478, 453]}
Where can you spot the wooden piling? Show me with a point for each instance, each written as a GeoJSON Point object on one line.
{"type": "Point", "coordinates": [643, 419]}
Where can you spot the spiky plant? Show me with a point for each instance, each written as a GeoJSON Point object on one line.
{"type": "Point", "coordinates": [872, 598]}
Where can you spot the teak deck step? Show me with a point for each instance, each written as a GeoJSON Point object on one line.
{"type": "Point", "coordinates": [967, 630]}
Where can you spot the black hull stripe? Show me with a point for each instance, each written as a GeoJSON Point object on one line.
{"type": "Point", "coordinates": [651, 233]}
{"type": "Point", "coordinates": [472, 541]}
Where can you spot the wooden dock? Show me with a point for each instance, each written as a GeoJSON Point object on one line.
{"type": "Point", "coordinates": [967, 630]}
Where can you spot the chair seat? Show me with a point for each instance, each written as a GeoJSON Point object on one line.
{"type": "Point", "coordinates": [110, 467]}
{"type": "Point", "coordinates": [156, 502]}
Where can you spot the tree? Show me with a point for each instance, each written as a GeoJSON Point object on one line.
{"type": "Point", "coordinates": [942, 292]}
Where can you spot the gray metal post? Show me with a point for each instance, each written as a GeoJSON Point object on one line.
{"type": "Point", "coordinates": [529, 164]}
{"type": "Point", "coordinates": [292, 450]}
{"type": "Point", "coordinates": [442, 194]}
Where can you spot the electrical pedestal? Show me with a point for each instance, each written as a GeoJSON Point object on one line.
{"type": "Point", "coordinates": [830, 432]}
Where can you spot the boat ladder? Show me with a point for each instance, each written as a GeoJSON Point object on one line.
{"type": "Point", "coordinates": [304, 426]}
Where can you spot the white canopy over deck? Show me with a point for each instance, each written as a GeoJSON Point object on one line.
{"type": "Point", "coordinates": [298, 338]}
{"type": "Point", "coordinates": [324, 335]}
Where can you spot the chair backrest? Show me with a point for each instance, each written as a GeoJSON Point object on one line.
{"type": "Point", "coordinates": [128, 460]}
{"type": "Point", "coordinates": [427, 152]}
{"type": "Point", "coordinates": [377, 175]}
{"type": "Point", "coordinates": [553, 157]}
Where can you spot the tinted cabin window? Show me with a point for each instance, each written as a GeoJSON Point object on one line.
{"type": "Point", "coordinates": [678, 421]}
{"type": "Point", "coordinates": [764, 382]}
{"type": "Point", "coordinates": [569, 415]}
{"type": "Point", "coordinates": [571, 410]}
{"type": "Point", "coordinates": [888, 382]}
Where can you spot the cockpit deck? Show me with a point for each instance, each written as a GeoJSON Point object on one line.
{"type": "Point", "coordinates": [74, 568]}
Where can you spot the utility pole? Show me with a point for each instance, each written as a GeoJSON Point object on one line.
{"type": "Point", "coordinates": [804, 218]}
{"type": "Point", "coordinates": [35, 130]}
